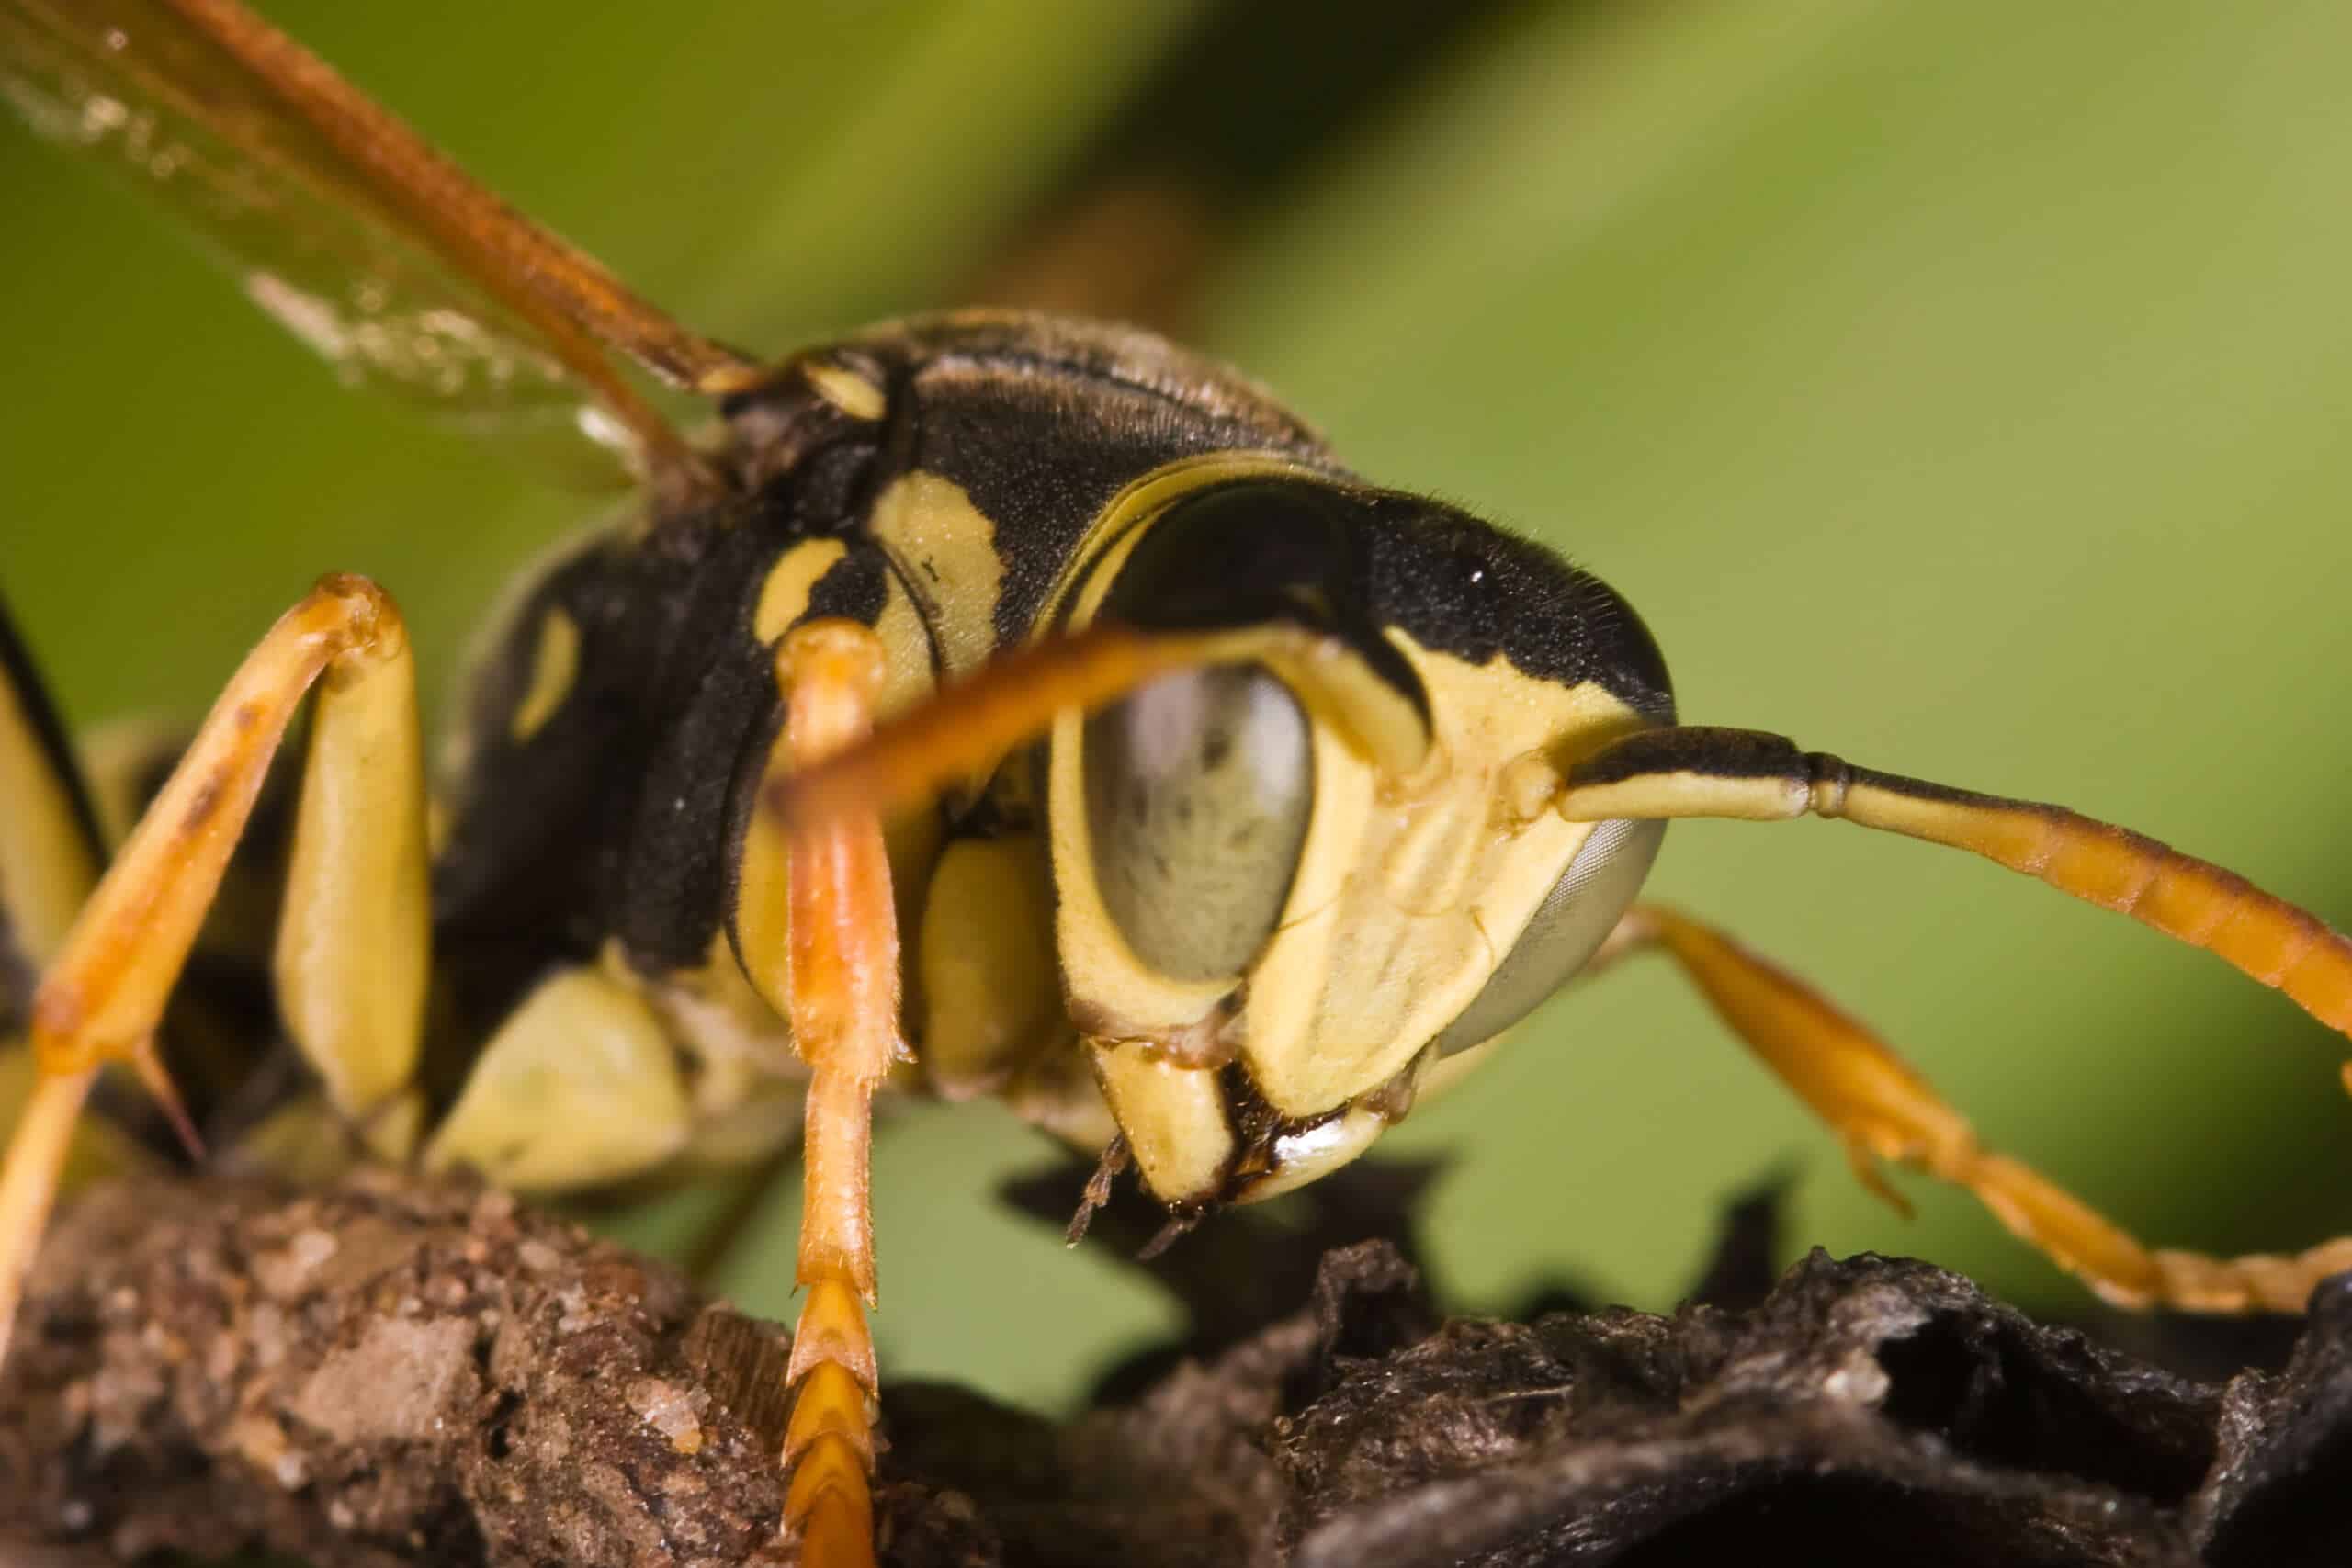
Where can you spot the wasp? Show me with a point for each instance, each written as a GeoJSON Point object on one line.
{"type": "Point", "coordinates": [987, 703]}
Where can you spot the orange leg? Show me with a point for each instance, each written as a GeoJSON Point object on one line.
{"type": "Point", "coordinates": [101, 997]}
{"type": "Point", "coordinates": [842, 994]}
{"type": "Point", "coordinates": [1885, 1110]}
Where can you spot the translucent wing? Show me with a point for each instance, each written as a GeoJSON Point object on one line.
{"type": "Point", "coordinates": [348, 228]}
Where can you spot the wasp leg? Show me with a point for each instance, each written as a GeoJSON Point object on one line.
{"type": "Point", "coordinates": [50, 849]}
{"type": "Point", "coordinates": [102, 996]}
{"type": "Point", "coordinates": [49, 846]}
{"type": "Point", "coordinates": [841, 987]}
{"type": "Point", "coordinates": [1885, 1110]}
{"type": "Point", "coordinates": [579, 1087]}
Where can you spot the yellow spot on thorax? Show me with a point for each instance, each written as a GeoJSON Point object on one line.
{"type": "Point", "coordinates": [784, 597]}
{"type": "Point", "coordinates": [945, 547]}
{"type": "Point", "coordinates": [847, 390]}
{"type": "Point", "coordinates": [554, 667]}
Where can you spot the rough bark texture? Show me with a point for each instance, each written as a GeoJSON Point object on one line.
{"type": "Point", "coordinates": [393, 1374]}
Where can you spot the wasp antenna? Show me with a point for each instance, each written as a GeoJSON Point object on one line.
{"type": "Point", "coordinates": [968, 729]}
{"type": "Point", "coordinates": [1694, 772]}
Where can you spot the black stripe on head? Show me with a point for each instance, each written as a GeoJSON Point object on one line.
{"type": "Point", "coordinates": [1255, 552]}
{"type": "Point", "coordinates": [1355, 564]}
{"type": "Point", "coordinates": [1465, 587]}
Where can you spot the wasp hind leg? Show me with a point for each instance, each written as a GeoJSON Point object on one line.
{"type": "Point", "coordinates": [816, 895]}
{"type": "Point", "coordinates": [353, 948]}
{"type": "Point", "coordinates": [1885, 1110]}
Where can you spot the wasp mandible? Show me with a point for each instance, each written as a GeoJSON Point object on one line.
{"type": "Point", "coordinates": [994, 703]}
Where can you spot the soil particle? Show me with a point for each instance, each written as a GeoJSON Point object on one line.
{"type": "Point", "coordinates": [405, 1381]}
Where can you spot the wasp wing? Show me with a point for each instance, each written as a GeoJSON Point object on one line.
{"type": "Point", "coordinates": [344, 226]}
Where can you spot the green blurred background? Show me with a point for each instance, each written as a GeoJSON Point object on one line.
{"type": "Point", "coordinates": [1962, 389]}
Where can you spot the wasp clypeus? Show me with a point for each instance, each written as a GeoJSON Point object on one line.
{"type": "Point", "coordinates": [992, 702]}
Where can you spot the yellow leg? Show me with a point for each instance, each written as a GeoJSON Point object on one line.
{"type": "Point", "coordinates": [48, 836]}
{"type": "Point", "coordinates": [101, 999]}
{"type": "Point", "coordinates": [1885, 1110]}
{"type": "Point", "coordinates": [841, 989]}
{"type": "Point", "coordinates": [578, 1087]}
{"type": "Point", "coordinates": [48, 863]}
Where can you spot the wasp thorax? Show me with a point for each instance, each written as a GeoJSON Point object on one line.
{"type": "Point", "coordinates": [1198, 790]}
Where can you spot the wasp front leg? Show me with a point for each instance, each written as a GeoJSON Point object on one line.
{"type": "Point", "coordinates": [817, 897]}
{"type": "Point", "coordinates": [352, 957]}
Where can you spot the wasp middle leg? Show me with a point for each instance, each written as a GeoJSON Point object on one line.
{"type": "Point", "coordinates": [353, 946]}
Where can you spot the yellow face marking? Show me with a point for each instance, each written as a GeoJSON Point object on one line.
{"type": "Point", "coordinates": [554, 666]}
{"type": "Point", "coordinates": [843, 388]}
{"type": "Point", "coordinates": [784, 597]}
{"type": "Point", "coordinates": [46, 869]}
{"type": "Point", "coordinates": [1173, 1118]}
{"type": "Point", "coordinates": [945, 548]}
{"type": "Point", "coordinates": [1407, 898]}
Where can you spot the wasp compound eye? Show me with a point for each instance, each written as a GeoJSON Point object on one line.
{"type": "Point", "coordinates": [1198, 791]}
{"type": "Point", "coordinates": [1567, 928]}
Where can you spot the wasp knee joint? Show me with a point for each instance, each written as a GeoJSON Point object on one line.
{"type": "Point", "coordinates": [837, 652]}
{"type": "Point", "coordinates": [1829, 780]}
